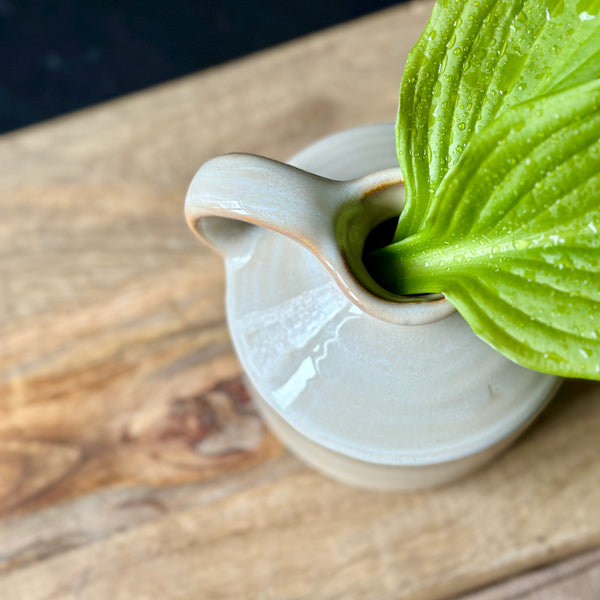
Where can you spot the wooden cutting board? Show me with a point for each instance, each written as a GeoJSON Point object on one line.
{"type": "Point", "coordinates": [132, 464]}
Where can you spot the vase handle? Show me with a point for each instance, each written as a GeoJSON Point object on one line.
{"type": "Point", "coordinates": [230, 192]}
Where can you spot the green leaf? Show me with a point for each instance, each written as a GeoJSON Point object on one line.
{"type": "Point", "coordinates": [513, 235]}
{"type": "Point", "coordinates": [475, 60]}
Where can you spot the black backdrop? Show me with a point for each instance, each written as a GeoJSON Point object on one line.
{"type": "Point", "coordinates": [60, 55]}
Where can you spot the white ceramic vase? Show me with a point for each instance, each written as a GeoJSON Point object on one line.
{"type": "Point", "coordinates": [376, 393]}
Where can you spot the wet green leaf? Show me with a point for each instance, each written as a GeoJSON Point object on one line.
{"type": "Point", "coordinates": [474, 61]}
{"type": "Point", "coordinates": [513, 235]}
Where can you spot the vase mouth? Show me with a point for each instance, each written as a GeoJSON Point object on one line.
{"type": "Point", "coordinates": [378, 199]}
{"type": "Point", "coordinates": [367, 152]}
{"type": "Point", "coordinates": [399, 310]}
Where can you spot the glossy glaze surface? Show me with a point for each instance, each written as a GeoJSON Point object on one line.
{"type": "Point", "coordinates": [361, 386]}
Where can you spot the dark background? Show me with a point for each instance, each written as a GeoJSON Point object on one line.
{"type": "Point", "coordinates": [61, 55]}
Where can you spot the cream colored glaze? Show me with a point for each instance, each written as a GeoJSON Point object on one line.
{"type": "Point", "coordinates": [386, 385]}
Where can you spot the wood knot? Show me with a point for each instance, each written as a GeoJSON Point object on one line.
{"type": "Point", "coordinates": [217, 422]}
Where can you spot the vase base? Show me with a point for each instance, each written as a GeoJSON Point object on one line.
{"type": "Point", "coordinates": [377, 476]}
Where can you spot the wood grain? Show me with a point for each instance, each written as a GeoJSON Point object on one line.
{"type": "Point", "coordinates": [132, 464]}
{"type": "Point", "coordinates": [575, 578]}
{"type": "Point", "coordinates": [286, 532]}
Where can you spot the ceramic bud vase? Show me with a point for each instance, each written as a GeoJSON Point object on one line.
{"type": "Point", "coordinates": [375, 392]}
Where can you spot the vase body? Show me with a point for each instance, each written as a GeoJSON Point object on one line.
{"type": "Point", "coordinates": [369, 401]}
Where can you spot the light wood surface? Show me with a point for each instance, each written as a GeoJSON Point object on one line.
{"type": "Point", "coordinates": [576, 578]}
{"type": "Point", "coordinates": [132, 464]}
